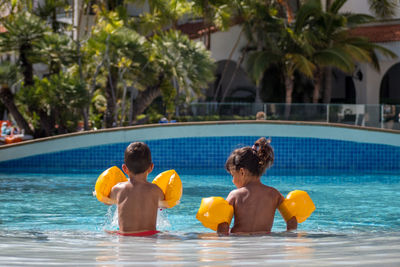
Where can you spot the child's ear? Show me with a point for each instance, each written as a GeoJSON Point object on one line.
{"type": "Point", "coordinates": [242, 171]}
{"type": "Point", "coordinates": [125, 169]}
{"type": "Point", "coordinates": [150, 169]}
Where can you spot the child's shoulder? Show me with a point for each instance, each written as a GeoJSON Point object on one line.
{"type": "Point", "coordinates": [271, 189]}
{"type": "Point", "coordinates": [120, 185]}
{"type": "Point", "coordinates": [154, 187]}
{"type": "Point", "coordinates": [238, 192]}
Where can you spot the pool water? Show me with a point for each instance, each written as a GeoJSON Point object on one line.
{"type": "Point", "coordinates": [54, 219]}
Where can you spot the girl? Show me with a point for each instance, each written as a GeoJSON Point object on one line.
{"type": "Point", "coordinates": [254, 203]}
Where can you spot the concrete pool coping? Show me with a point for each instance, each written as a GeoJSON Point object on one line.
{"type": "Point", "coordinates": [200, 129]}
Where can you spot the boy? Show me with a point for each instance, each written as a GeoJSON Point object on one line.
{"type": "Point", "coordinates": [137, 199]}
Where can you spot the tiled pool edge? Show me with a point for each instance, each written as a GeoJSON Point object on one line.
{"type": "Point", "coordinates": [207, 144]}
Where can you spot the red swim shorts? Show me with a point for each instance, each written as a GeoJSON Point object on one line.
{"type": "Point", "coordinates": [144, 233]}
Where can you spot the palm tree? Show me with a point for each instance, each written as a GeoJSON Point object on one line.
{"type": "Point", "coordinates": [276, 43]}
{"type": "Point", "coordinates": [333, 46]}
{"type": "Point", "coordinates": [23, 32]}
{"type": "Point", "coordinates": [9, 78]}
{"type": "Point", "coordinates": [47, 10]}
{"type": "Point", "coordinates": [180, 63]}
{"type": "Point", "coordinates": [173, 65]}
{"type": "Point", "coordinates": [185, 63]}
{"type": "Point", "coordinates": [58, 51]}
{"type": "Point", "coordinates": [121, 55]}
{"type": "Point", "coordinates": [384, 9]}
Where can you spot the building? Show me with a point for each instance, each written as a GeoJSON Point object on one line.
{"type": "Point", "coordinates": [365, 86]}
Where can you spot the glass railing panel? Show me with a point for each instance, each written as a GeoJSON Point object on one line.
{"type": "Point", "coordinates": [379, 116]}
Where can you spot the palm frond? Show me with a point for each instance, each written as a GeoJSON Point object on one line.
{"type": "Point", "coordinates": [302, 64]}
{"type": "Point", "coordinates": [354, 20]}
{"type": "Point", "coordinates": [384, 8]}
{"type": "Point", "coordinates": [336, 6]}
{"type": "Point", "coordinates": [336, 57]}
{"type": "Point", "coordinates": [258, 62]}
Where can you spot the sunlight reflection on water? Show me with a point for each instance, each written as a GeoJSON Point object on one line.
{"type": "Point", "coordinates": [200, 249]}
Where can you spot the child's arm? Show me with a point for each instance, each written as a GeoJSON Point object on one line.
{"type": "Point", "coordinates": [163, 204]}
{"type": "Point", "coordinates": [223, 229]}
{"type": "Point", "coordinates": [291, 224]}
{"type": "Point", "coordinates": [112, 199]}
{"type": "Point", "coordinates": [296, 208]}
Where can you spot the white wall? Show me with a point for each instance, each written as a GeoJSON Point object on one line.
{"type": "Point", "coordinates": [368, 90]}
{"type": "Point", "coordinates": [357, 6]}
{"type": "Point", "coordinates": [222, 43]}
{"type": "Point", "coordinates": [361, 6]}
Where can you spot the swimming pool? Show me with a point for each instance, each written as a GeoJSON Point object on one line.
{"type": "Point", "coordinates": [48, 216]}
{"type": "Point", "coordinates": [54, 219]}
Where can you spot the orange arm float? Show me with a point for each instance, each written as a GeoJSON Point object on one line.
{"type": "Point", "coordinates": [298, 204]}
{"type": "Point", "coordinates": [106, 182]}
{"type": "Point", "coordinates": [171, 185]}
{"type": "Point", "coordinates": [214, 211]}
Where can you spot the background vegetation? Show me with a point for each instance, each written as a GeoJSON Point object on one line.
{"type": "Point", "coordinates": [126, 70]}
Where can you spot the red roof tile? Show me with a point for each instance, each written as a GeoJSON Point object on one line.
{"type": "Point", "coordinates": [196, 29]}
{"type": "Point", "coordinates": [379, 33]}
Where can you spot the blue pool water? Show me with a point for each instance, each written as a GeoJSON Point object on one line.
{"type": "Point", "coordinates": [55, 216]}
{"type": "Point", "coordinates": [345, 202]}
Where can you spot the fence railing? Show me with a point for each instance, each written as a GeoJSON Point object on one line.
{"type": "Point", "coordinates": [380, 116]}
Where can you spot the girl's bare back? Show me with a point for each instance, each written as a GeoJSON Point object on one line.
{"type": "Point", "coordinates": [254, 207]}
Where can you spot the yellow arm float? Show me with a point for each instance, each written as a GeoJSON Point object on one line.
{"type": "Point", "coordinates": [171, 185]}
{"type": "Point", "coordinates": [298, 204]}
{"type": "Point", "coordinates": [213, 211]}
{"type": "Point", "coordinates": [106, 181]}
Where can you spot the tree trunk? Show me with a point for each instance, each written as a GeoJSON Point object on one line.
{"type": "Point", "coordinates": [176, 85]}
{"type": "Point", "coordinates": [46, 125]}
{"type": "Point", "coordinates": [328, 85]}
{"type": "Point", "coordinates": [328, 4]}
{"type": "Point", "coordinates": [317, 85]}
{"type": "Point", "coordinates": [289, 92]}
{"type": "Point", "coordinates": [8, 100]}
{"type": "Point", "coordinates": [27, 68]}
{"type": "Point", "coordinates": [123, 100]}
{"type": "Point", "coordinates": [111, 87]}
{"type": "Point", "coordinates": [146, 97]}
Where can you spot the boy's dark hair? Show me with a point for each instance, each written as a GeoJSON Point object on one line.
{"type": "Point", "coordinates": [137, 157]}
{"type": "Point", "coordinates": [256, 159]}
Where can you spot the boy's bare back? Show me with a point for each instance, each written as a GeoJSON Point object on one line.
{"type": "Point", "coordinates": [137, 205]}
{"type": "Point", "coordinates": [254, 206]}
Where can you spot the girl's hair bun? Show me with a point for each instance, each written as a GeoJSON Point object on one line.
{"type": "Point", "coordinates": [256, 159]}
{"type": "Point", "coordinates": [264, 152]}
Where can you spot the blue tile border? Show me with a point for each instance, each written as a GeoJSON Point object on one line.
{"type": "Point", "coordinates": [211, 153]}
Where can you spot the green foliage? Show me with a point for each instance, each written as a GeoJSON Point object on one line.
{"type": "Point", "coordinates": [48, 10]}
{"type": "Point", "coordinates": [384, 9]}
{"type": "Point", "coordinates": [23, 29]}
{"type": "Point", "coordinates": [186, 61]}
{"type": "Point", "coordinates": [57, 50]}
{"type": "Point", "coordinates": [148, 51]}
{"type": "Point", "coordinates": [58, 96]}
{"type": "Point", "coordinates": [9, 73]}
{"type": "Point", "coordinates": [333, 45]}
{"type": "Point", "coordinates": [122, 48]}
{"type": "Point", "coordinates": [276, 43]}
